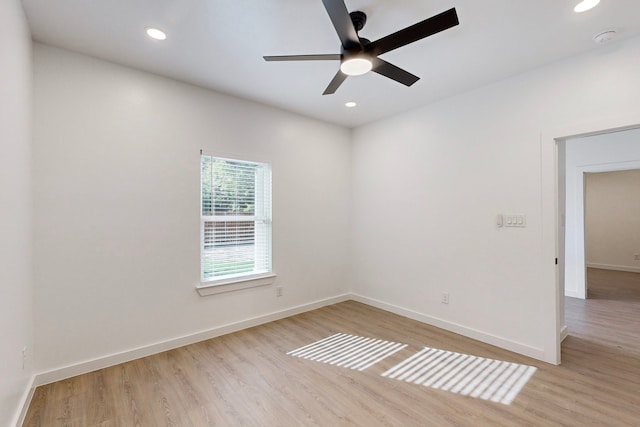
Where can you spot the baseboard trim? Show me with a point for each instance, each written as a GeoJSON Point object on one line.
{"type": "Point", "coordinates": [25, 401]}
{"type": "Point", "coordinates": [564, 333]}
{"type": "Point", "coordinates": [630, 269]}
{"type": "Point", "coordinates": [495, 340]}
{"type": "Point", "coordinates": [80, 368]}
{"type": "Point", "coordinates": [136, 353]}
{"type": "Point", "coordinates": [573, 294]}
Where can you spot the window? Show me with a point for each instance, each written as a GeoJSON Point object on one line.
{"type": "Point", "coordinates": [235, 221]}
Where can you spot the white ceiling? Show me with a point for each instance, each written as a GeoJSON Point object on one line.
{"type": "Point", "coordinates": [219, 44]}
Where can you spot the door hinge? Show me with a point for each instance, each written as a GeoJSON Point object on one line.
{"type": "Point", "coordinates": [556, 261]}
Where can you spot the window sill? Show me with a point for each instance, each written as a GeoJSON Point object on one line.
{"type": "Point", "coordinates": [235, 284]}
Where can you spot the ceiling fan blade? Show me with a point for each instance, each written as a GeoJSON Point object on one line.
{"type": "Point", "coordinates": [341, 21]}
{"type": "Point", "coordinates": [321, 57]}
{"type": "Point", "coordinates": [426, 28]}
{"type": "Point", "coordinates": [335, 83]}
{"type": "Point", "coordinates": [394, 73]}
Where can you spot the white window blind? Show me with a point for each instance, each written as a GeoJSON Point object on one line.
{"type": "Point", "coordinates": [235, 222]}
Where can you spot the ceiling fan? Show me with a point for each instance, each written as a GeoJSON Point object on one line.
{"type": "Point", "coordinates": [359, 55]}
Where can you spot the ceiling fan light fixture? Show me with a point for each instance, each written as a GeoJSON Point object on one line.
{"type": "Point", "coordinates": [585, 5]}
{"type": "Point", "coordinates": [356, 66]}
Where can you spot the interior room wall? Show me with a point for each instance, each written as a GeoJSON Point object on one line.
{"type": "Point", "coordinates": [15, 212]}
{"type": "Point", "coordinates": [590, 154]}
{"type": "Point", "coordinates": [428, 185]}
{"type": "Point", "coordinates": [116, 177]}
{"type": "Point", "coordinates": [116, 196]}
{"type": "Point", "coordinates": [612, 220]}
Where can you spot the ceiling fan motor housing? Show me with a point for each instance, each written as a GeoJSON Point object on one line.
{"type": "Point", "coordinates": [359, 19]}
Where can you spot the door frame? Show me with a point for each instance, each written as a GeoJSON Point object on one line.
{"type": "Point", "coordinates": [553, 293]}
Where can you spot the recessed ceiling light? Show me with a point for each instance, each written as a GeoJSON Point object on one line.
{"type": "Point", "coordinates": [585, 5]}
{"type": "Point", "coordinates": [350, 104]}
{"type": "Point", "coordinates": [155, 33]}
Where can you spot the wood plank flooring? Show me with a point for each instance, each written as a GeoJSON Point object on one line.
{"type": "Point", "coordinates": [247, 379]}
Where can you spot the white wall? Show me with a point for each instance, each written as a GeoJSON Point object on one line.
{"type": "Point", "coordinates": [15, 211]}
{"type": "Point", "coordinates": [598, 153]}
{"type": "Point", "coordinates": [428, 185]}
{"type": "Point", "coordinates": [116, 199]}
{"type": "Point", "coordinates": [116, 174]}
{"type": "Point", "coordinates": [612, 219]}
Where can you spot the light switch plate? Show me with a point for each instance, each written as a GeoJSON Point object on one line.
{"type": "Point", "coordinates": [515, 220]}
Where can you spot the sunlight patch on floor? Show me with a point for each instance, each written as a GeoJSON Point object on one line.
{"type": "Point", "coordinates": [463, 374]}
{"type": "Point", "coordinates": [348, 351]}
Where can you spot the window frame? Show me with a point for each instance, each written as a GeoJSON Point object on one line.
{"type": "Point", "coordinates": [232, 282]}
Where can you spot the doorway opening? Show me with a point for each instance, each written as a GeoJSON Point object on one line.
{"type": "Point", "coordinates": [579, 159]}
{"type": "Point", "coordinates": [609, 152]}
{"type": "Point", "coordinates": [612, 225]}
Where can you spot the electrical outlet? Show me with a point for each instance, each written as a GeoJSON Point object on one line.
{"type": "Point", "coordinates": [278, 291]}
{"type": "Point", "coordinates": [24, 356]}
{"type": "Point", "coordinates": [636, 256]}
{"type": "Point", "coordinates": [444, 298]}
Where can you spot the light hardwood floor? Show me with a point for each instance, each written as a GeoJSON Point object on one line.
{"type": "Point", "coordinates": [247, 379]}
